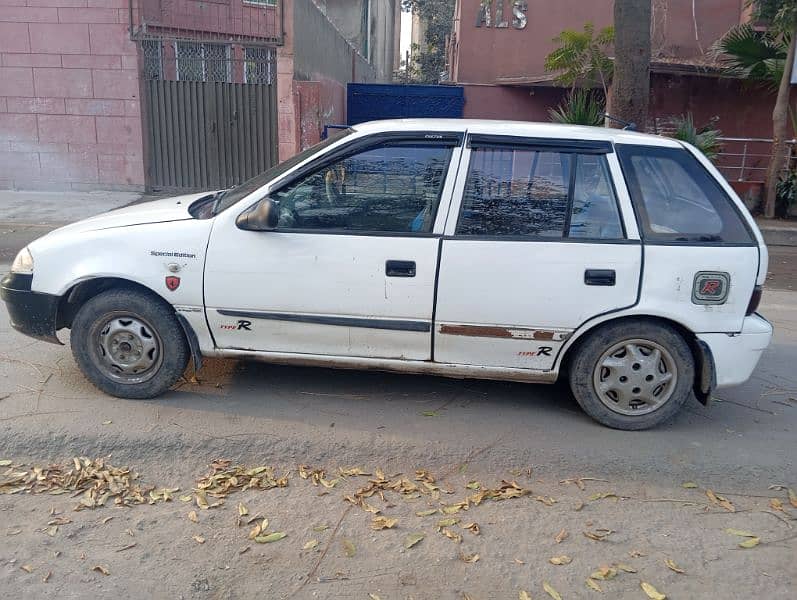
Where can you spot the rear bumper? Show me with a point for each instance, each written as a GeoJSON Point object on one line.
{"type": "Point", "coordinates": [31, 313]}
{"type": "Point", "coordinates": [736, 355]}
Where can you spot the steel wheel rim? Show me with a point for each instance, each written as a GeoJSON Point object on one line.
{"type": "Point", "coordinates": [635, 377]}
{"type": "Point", "coordinates": [126, 347]}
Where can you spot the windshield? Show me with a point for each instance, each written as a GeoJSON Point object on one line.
{"type": "Point", "coordinates": [227, 198]}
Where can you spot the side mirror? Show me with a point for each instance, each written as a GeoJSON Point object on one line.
{"type": "Point", "coordinates": [263, 216]}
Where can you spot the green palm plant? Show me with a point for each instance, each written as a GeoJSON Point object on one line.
{"type": "Point", "coordinates": [755, 55]}
{"type": "Point", "coordinates": [581, 57]}
{"type": "Point", "coordinates": [705, 139]}
{"type": "Point", "coordinates": [581, 107]}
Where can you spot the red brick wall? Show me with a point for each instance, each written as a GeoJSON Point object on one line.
{"type": "Point", "coordinates": [69, 96]}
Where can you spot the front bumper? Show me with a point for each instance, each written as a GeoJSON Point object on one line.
{"type": "Point", "coordinates": [31, 313]}
{"type": "Point", "coordinates": [736, 355]}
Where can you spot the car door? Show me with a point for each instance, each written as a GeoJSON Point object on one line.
{"type": "Point", "coordinates": [350, 269]}
{"type": "Point", "coordinates": [536, 246]}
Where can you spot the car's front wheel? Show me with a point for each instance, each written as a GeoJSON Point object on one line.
{"type": "Point", "coordinates": [632, 374]}
{"type": "Point", "coordinates": [129, 343]}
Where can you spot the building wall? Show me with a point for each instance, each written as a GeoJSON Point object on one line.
{"type": "Point", "coordinates": [370, 26]}
{"type": "Point", "coordinates": [69, 96]}
{"type": "Point", "coordinates": [485, 54]}
{"type": "Point", "coordinates": [313, 67]}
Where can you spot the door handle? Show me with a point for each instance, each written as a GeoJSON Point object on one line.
{"type": "Point", "coordinates": [600, 277]}
{"type": "Point", "coordinates": [400, 268]}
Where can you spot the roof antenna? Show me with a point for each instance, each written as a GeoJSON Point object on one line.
{"type": "Point", "coordinates": [627, 125]}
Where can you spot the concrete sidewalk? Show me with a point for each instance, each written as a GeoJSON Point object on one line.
{"type": "Point", "coordinates": [47, 208]}
{"type": "Point", "coordinates": [778, 232]}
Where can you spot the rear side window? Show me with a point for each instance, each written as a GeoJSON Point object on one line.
{"type": "Point", "coordinates": [529, 192]}
{"type": "Point", "coordinates": [677, 199]}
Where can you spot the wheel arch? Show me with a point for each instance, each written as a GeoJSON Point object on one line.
{"type": "Point", "coordinates": [705, 373]}
{"type": "Point", "coordinates": [78, 293]}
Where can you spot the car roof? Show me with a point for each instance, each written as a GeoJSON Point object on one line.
{"type": "Point", "coordinates": [518, 128]}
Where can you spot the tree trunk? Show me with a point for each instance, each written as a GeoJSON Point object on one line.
{"type": "Point", "coordinates": [780, 131]}
{"type": "Point", "coordinates": [630, 93]}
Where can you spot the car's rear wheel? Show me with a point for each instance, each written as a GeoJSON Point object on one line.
{"type": "Point", "coordinates": [632, 374]}
{"type": "Point", "coordinates": [129, 344]}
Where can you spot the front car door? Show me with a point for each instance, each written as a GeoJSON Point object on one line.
{"type": "Point", "coordinates": [537, 246]}
{"type": "Point", "coordinates": [350, 269]}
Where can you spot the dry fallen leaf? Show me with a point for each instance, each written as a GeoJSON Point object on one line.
{"type": "Point", "coordinates": [192, 517]}
{"type": "Point", "coordinates": [472, 485]}
{"type": "Point", "coordinates": [604, 573]}
{"type": "Point", "coordinates": [636, 553]}
{"type": "Point", "coordinates": [46, 578]}
{"type": "Point", "coordinates": [101, 569]}
{"type": "Point", "coordinates": [469, 558]}
{"type": "Point", "coordinates": [473, 528]}
{"type": "Point", "coordinates": [186, 498]}
{"type": "Point", "coordinates": [310, 544]}
{"type": "Point", "coordinates": [426, 513]}
{"type": "Point", "coordinates": [198, 539]}
{"type": "Point", "coordinates": [374, 597]}
{"type": "Point", "coordinates": [560, 560]}
{"type": "Point", "coordinates": [776, 504]}
{"type": "Point", "coordinates": [27, 568]}
{"type": "Point", "coordinates": [242, 510]}
{"type": "Point", "coordinates": [593, 586]}
{"type": "Point", "coordinates": [793, 498]}
{"type": "Point", "coordinates": [523, 595]}
{"type": "Point", "coordinates": [519, 562]}
{"type": "Point", "coordinates": [689, 485]}
{"type": "Point", "coordinates": [379, 523]}
{"type": "Point", "coordinates": [626, 568]}
{"type": "Point", "coordinates": [672, 566]}
{"type": "Point", "coordinates": [5, 462]}
{"type": "Point", "coordinates": [652, 592]}
{"type": "Point", "coordinates": [720, 501]}
{"type": "Point", "coordinates": [412, 539]}
{"type": "Point", "coordinates": [750, 542]}
{"type": "Point", "coordinates": [550, 591]}
{"type": "Point", "coordinates": [349, 548]}
{"type": "Point", "coordinates": [271, 537]}
{"type": "Point", "coordinates": [450, 534]}
{"type": "Point", "coordinates": [320, 528]}
{"type": "Point", "coordinates": [447, 522]}
{"type": "Point", "coordinates": [561, 536]}
{"type": "Point", "coordinates": [740, 532]}
{"type": "Point", "coordinates": [106, 519]}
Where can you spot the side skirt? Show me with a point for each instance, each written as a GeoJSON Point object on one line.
{"type": "Point", "coordinates": [455, 371]}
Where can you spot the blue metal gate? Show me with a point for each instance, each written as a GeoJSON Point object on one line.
{"type": "Point", "coordinates": [371, 101]}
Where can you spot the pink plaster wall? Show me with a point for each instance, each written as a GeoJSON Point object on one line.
{"type": "Point", "coordinates": [69, 96]}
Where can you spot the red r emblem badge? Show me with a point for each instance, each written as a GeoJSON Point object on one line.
{"type": "Point", "coordinates": [172, 282]}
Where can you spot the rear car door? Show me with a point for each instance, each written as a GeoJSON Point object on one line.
{"type": "Point", "coordinates": [537, 246]}
{"type": "Point", "coordinates": [350, 268]}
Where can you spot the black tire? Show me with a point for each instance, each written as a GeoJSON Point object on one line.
{"type": "Point", "coordinates": [583, 374]}
{"type": "Point", "coordinates": [160, 328]}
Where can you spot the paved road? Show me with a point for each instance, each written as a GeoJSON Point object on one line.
{"type": "Point", "coordinates": [745, 439]}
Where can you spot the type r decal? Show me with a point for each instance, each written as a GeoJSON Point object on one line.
{"type": "Point", "coordinates": [711, 287]}
{"type": "Point", "coordinates": [541, 351]}
{"type": "Point", "coordinates": [240, 325]}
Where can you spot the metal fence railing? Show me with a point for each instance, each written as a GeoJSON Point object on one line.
{"type": "Point", "coordinates": [747, 159]}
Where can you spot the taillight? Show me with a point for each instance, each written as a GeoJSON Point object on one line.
{"type": "Point", "coordinates": [755, 300]}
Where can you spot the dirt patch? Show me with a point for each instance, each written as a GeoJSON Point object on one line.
{"type": "Point", "coordinates": [615, 535]}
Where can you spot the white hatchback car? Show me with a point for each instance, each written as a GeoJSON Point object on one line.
{"type": "Point", "coordinates": [489, 249]}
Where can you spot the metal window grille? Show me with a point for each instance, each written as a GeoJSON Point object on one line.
{"type": "Point", "coordinates": [257, 64]}
{"type": "Point", "coordinates": [262, 2]}
{"type": "Point", "coordinates": [202, 62]}
{"type": "Point", "coordinates": [153, 59]}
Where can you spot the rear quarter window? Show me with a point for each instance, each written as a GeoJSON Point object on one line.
{"type": "Point", "coordinates": [677, 199]}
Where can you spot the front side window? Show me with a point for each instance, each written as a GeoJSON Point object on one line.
{"type": "Point", "coordinates": [678, 200]}
{"type": "Point", "coordinates": [528, 192]}
{"type": "Point", "coordinates": [387, 188]}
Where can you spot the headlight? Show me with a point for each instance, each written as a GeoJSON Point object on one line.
{"type": "Point", "coordinates": [23, 263]}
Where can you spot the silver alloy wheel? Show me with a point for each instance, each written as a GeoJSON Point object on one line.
{"type": "Point", "coordinates": [635, 377]}
{"type": "Point", "coordinates": [126, 348]}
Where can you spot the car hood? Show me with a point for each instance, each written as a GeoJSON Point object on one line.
{"type": "Point", "coordinates": [156, 211]}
